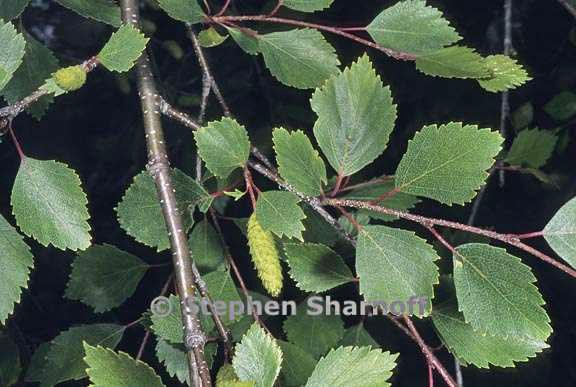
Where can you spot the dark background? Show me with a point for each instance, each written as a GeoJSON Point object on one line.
{"type": "Point", "coordinates": [98, 132]}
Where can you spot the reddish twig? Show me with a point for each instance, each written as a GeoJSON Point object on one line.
{"type": "Point", "coordinates": [506, 238]}
{"type": "Point", "coordinates": [320, 27]}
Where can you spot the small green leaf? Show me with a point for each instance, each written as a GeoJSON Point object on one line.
{"type": "Point", "coordinates": [16, 262]}
{"type": "Point", "coordinates": [384, 195]}
{"type": "Point", "coordinates": [12, 50]}
{"type": "Point", "coordinates": [104, 277]}
{"type": "Point", "coordinates": [279, 213]}
{"type": "Point", "coordinates": [236, 194]}
{"type": "Point", "coordinates": [188, 11]}
{"type": "Point", "coordinates": [11, 9]}
{"type": "Point", "coordinates": [168, 326]}
{"type": "Point", "coordinates": [314, 333]}
{"type": "Point", "coordinates": [532, 147]}
{"type": "Point", "coordinates": [523, 116]}
{"type": "Point", "coordinates": [358, 336]}
{"type": "Point", "coordinates": [211, 38]}
{"type": "Point", "coordinates": [482, 350]}
{"type": "Point", "coordinates": [297, 365]}
{"type": "Point", "coordinates": [104, 11]}
{"type": "Point", "coordinates": [356, 115]}
{"type": "Point", "coordinates": [49, 204]}
{"type": "Point", "coordinates": [447, 163]}
{"type": "Point", "coordinates": [38, 65]}
{"type": "Point", "coordinates": [315, 267]}
{"type": "Point", "coordinates": [307, 5]}
{"type": "Point", "coordinates": [62, 359]}
{"type": "Point", "coordinates": [412, 27]}
{"type": "Point", "coordinates": [123, 49]}
{"type": "Point", "coordinates": [560, 232]}
{"type": "Point", "coordinates": [300, 58]}
{"type": "Point", "coordinates": [140, 213]}
{"type": "Point", "coordinates": [353, 367]}
{"type": "Point", "coordinates": [257, 358]}
{"type": "Point", "coordinates": [223, 145]}
{"type": "Point", "coordinates": [395, 265]}
{"type": "Point", "coordinates": [562, 107]}
{"type": "Point", "coordinates": [206, 247]}
{"type": "Point", "coordinates": [298, 162]}
{"type": "Point", "coordinates": [174, 360]}
{"type": "Point", "coordinates": [453, 62]}
{"type": "Point", "coordinates": [246, 39]}
{"type": "Point", "coordinates": [505, 74]}
{"type": "Point", "coordinates": [497, 295]}
{"type": "Point", "coordinates": [107, 368]}
{"type": "Point", "coordinates": [10, 364]}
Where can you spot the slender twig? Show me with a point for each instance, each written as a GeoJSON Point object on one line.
{"type": "Point", "coordinates": [568, 7]}
{"type": "Point", "coordinates": [320, 27]}
{"type": "Point", "coordinates": [224, 8]}
{"type": "Point", "coordinates": [159, 167]}
{"type": "Point", "coordinates": [147, 334]}
{"type": "Point", "coordinates": [16, 143]}
{"type": "Point", "coordinates": [506, 238]}
{"type": "Point", "coordinates": [430, 357]}
{"type": "Point", "coordinates": [505, 97]}
{"type": "Point", "coordinates": [276, 8]}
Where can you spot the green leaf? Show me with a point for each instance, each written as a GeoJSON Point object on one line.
{"type": "Point", "coordinates": [453, 62]}
{"type": "Point", "coordinates": [297, 365]}
{"type": "Point", "coordinates": [223, 145]}
{"type": "Point", "coordinates": [10, 364]}
{"type": "Point", "coordinates": [560, 232]}
{"type": "Point", "coordinates": [383, 193]}
{"type": "Point", "coordinates": [315, 267]}
{"type": "Point", "coordinates": [279, 213]}
{"type": "Point", "coordinates": [123, 49]}
{"type": "Point", "coordinates": [505, 74]}
{"type": "Point", "coordinates": [188, 11]}
{"type": "Point", "coordinates": [104, 276]}
{"type": "Point", "coordinates": [532, 147]}
{"type": "Point", "coordinates": [395, 265]}
{"type": "Point", "coordinates": [38, 65]}
{"type": "Point", "coordinates": [104, 11]}
{"type": "Point", "coordinates": [307, 5]}
{"type": "Point", "coordinates": [140, 213]}
{"type": "Point", "coordinates": [62, 359]}
{"type": "Point", "coordinates": [168, 326]}
{"type": "Point", "coordinates": [356, 115]}
{"type": "Point", "coordinates": [562, 107]}
{"type": "Point", "coordinates": [108, 368]}
{"type": "Point", "coordinates": [174, 360]}
{"type": "Point", "coordinates": [16, 262]}
{"type": "Point", "coordinates": [211, 38]}
{"type": "Point", "coordinates": [38, 362]}
{"type": "Point", "coordinates": [257, 357]}
{"type": "Point", "coordinates": [447, 163]}
{"type": "Point", "coordinates": [11, 9]}
{"type": "Point", "coordinates": [317, 228]}
{"type": "Point", "coordinates": [206, 247]}
{"type": "Point", "coordinates": [300, 58]}
{"type": "Point", "coordinates": [523, 116]}
{"type": "Point", "coordinates": [412, 27]}
{"type": "Point", "coordinates": [482, 350]}
{"type": "Point", "coordinates": [497, 295]}
{"type": "Point", "coordinates": [12, 49]}
{"type": "Point", "coordinates": [358, 336]}
{"type": "Point", "coordinates": [315, 334]}
{"type": "Point", "coordinates": [246, 39]}
{"type": "Point", "coordinates": [299, 163]}
{"type": "Point", "coordinates": [222, 288]}
{"type": "Point", "coordinates": [353, 367]}
{"type": "Point", "coordinates": [49, 204]}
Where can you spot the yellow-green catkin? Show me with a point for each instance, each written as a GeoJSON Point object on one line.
{"type": "Point", "coordinates": [265, 257]}
{"type": "Point", "coordinates": [227, 378]}
{"type": "Point", "coordinates": [70, 78]}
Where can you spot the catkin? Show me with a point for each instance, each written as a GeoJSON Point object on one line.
{"type": "Point", "coordinates": [70, 78]}
{"type": "Point", "coordinates": [265, 257]}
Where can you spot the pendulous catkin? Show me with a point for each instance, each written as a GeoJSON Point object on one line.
{"type": "Point", "coordinates": [265, 257]}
